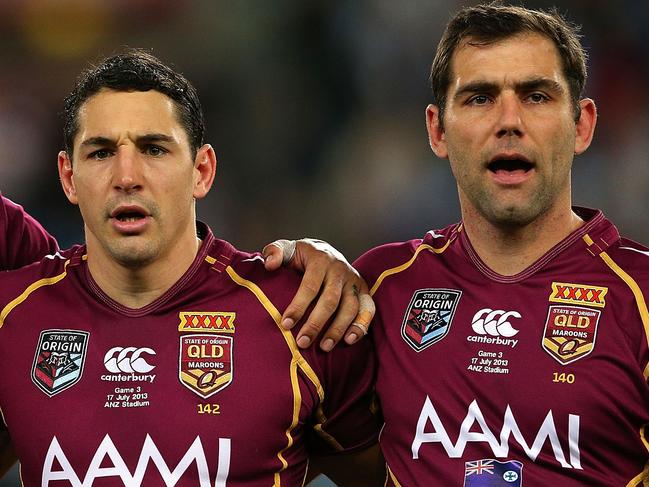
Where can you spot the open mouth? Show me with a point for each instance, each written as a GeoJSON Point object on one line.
{"type": "Point", "coordinates": [129, 216]}
{"type": "Point", "coordinates": [509, 165]}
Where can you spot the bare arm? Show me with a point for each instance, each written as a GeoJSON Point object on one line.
{"type": "Point", "coordinates": [365, 468]}
{"type": "Point", "coordinates": [330, 279]}
{"type": "Point", "coordinates": [7, 454]}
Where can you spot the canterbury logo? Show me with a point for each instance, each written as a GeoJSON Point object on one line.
{"type": "Point", "coordinates": [207, 321]}
{"type": "Point", "coordinates": [128, 360]}
{"type": "Point", "coordinates": [494, 322]}
{"type": "Point", "coordinates": [563, 292]}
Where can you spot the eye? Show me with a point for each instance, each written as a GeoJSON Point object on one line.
{"type": "Point", "coordinates": [537, 97]}
{"type": "Point", "coordinates": [478, 100]}
{"type": "Point", "coordinates": [100, 154]}
{"type": "Point", "coordinates": [154, 150]}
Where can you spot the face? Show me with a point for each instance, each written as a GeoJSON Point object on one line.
{"type": "Point", "coordinates": [134, 177]}
{"type": "Point", "coordinates": [509, 129]}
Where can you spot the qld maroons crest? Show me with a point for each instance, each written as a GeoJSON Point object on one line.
{"type": "Point", "coordinates": [205, 363]}
{"type": "Point", "coordinates": [429, 316]}
{"type": "Point", "coordinates": [59, 359]}
{"type": "Point", "coordinates": [570, 332]}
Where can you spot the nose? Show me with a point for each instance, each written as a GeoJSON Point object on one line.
{"type": "Point", "coordinates": [127, 171]}
{"type": "Point", "coordinates": [509, 121]}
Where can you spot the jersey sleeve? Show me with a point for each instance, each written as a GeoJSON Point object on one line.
{"type": "Point", "coordinates": [23, 239]}
{"type": "Point", "coordinates": [347, 418]}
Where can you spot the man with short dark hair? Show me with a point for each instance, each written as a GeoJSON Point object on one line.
{"type": "Point", "coordinates": [512, 346]}
{"type": "Point", "coordinates": [155, 353]}
{"type": "Point", "coordinates": [522, 331]}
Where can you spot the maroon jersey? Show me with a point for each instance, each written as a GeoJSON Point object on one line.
{"type": "Point", "coordinates": [537, 379]}
{"type": "Point", "coordinates": [22, 239]}
{"type": "Point", "coordinates": [199, 388]}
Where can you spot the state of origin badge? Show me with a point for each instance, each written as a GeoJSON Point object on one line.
{"type": "Point", "coordinates": [60, 356]}
{"type": "Point", "coordinates": [429, 316]}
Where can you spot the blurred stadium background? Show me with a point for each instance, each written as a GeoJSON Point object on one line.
{"type": "Point", "coordinates": [315, 109]}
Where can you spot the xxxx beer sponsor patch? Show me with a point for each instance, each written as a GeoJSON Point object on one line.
{"type": "Point", "coordinates": [207, 321]}
{"type": "Point", "coordinates": [581, 294]}
{"type": "Point", "coordinates": [59, 359]}
{"type": "Point", "coordinates": [205, 363]}
{"type": "Point", "coordinates": [428, 317]}
{"type": "Point", "coordinates": [570, 332]}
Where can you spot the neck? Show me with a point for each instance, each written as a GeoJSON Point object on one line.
{"type": "Point", "coordinates": [138, 286]}
{"type": "Point", "coordinates": [509, 250]}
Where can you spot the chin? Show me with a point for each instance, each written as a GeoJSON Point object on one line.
{"type": "Point", "coordinates": [134, 257]}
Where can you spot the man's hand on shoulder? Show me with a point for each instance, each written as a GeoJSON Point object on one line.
{"type": "Point", "coordinates": [330, 279]}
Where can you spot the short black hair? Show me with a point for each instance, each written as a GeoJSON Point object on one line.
{"type": "Point", "coordinates": [136, 70]}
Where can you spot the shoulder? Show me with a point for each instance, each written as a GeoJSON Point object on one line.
{"type": "Point", "coordinates": [630, 261]}
{"type": "Point", "coordinates": [23, 239]}
{"type": "Point", "coordinates": [397, 256]}
{"type": "Point", "coordinates": [246, 269]}
{"type": "Point", "coordinates": [20, 283]}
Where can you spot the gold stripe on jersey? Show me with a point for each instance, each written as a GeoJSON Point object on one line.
{"type": "Point", "coordinates": [297, 361]}
{"type": "Point", "coordinates": [48, 281]}
{"type": "Point", "coordinates": [403, 267]}
{"type": "Point", "coordinates": [392, 477]}
{"type": "Point", "coordinates": [635, 289]}
{"type": "Point", "coordinates": [210, 260]}
{"type": "Point", "coordinates": [321, 418]}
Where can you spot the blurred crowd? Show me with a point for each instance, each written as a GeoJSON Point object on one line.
{"type": "Point", "coordinates": [315, 109]}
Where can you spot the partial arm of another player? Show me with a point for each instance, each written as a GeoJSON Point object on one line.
{"type": "Point", "coordinates": [330, 279]}
{"type": "Point", "coordinates": [363, 468]}
{"type": "Point", "coordinates": [7, 454]}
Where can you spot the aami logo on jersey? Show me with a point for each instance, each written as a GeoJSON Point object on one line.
{"type": "Point", "coordinates": [128, 364]}
{"type": "Point", "coordinates": [557, 435]}
{"type": "Point", "coordinates": [570, 332]}
{"type": "Point", "coordinates": [429, 316]}
{"type": "Point", "coordinates": [488, 472]}
{"type": "Point", "coordinates": [563, 292]}
{"type": "Point", "coordinates": [494, 326]}
{"type": "Point", "coordinates": [207, 321]}
{"type": "Point", "coordinates": [59, 360]}
{"type": "Point", "coordinates": [205, 363]}
{"type": "Point", "coordinates": [154, 467]}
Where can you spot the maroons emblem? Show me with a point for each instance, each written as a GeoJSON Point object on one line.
{"type": "Point", "coordinates": [59, 360]}
{"type": "Point", "coordinates": [570, 332]}
{"type": "Point", "coordinates": [429, 316]}
{"type": "Point", "coordinates": [205, 363]}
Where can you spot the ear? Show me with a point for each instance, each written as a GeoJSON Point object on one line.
{"type": "Point", "coordinates": [585, 126]}
{"type": "Point", "coordinates": [66, 176]}
{"type": "Point", "coordinates": [205, 170]}
{"type": "Point", "coordinates": [436, 135]}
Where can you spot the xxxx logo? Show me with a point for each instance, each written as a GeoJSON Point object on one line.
{"type": "Point", "coordinates": [563, 292]}
{"type": "Point", "coordinates": [207, 321]}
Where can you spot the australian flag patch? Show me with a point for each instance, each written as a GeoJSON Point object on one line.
{"type": "Point", "coordinates": [492, 473]}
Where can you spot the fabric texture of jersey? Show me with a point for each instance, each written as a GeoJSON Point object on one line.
{"type": "Point", "coordinates": [535, 379]}
{"type": "Point", "coordinates": [199, 388]}
{"type": "Point", "coordinates": [22, 239]}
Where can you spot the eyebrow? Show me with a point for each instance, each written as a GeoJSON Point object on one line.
{"type": "Point", "coordinates": [142, 139]}
{"type": "Point", "coordinates": [531, 84]}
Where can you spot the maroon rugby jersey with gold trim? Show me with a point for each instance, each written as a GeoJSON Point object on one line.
{"type": "Point", "coordinates": [536, 379]}
{"type": "Point", "coordinates": [22, 239]}
{"type": "Point", "coordinates": [199, 388]}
